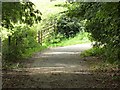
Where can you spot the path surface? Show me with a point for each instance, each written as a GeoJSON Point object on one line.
{"type": "Point", "coordinates": [60, 59]}
{"type": "Point", "coordinates": [59, 67]}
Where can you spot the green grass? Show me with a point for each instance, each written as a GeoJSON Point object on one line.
{"type": "Point", "coordinates": [80, 38]}
{"type": "Point", "coordinates": [31, 51]}
{"type": "Point", "coordinates": [95, 51]}
{"type": "Point", "coordinates": [98, 63]}
{"type": "Point", "coordinates": [26, 55]}
{"type": "Point", "coordinates": [47, 9]}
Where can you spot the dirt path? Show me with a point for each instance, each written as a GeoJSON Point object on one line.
{"type": "Point", "coordinates": [59, 67]}
{"type": "Point", "coordinates": [60, 59]}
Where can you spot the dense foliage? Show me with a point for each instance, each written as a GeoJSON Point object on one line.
{"type": "Point", "coordinates": [104, 28]}
{"type": "Point", "coordinates": [20, 41]}
{"type": "Point", "coordinates": [19, 18]}
{"type": "Point", "coordinates": [68, 26]}
{"type": "Point", "coordinates": [103, 21]}
{"type": "Point", "coordinates": [19, 12]}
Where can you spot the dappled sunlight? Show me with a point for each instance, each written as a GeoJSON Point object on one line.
{"type": "Point", "coordinates": [63, 59]}
{"type": "Point", "coordinates": [48, 44]}
{"type": "Point", "coordinates": [63, 51]}
{"type": "Point", "coordinates": [68, 56]}
{"type": "Point", "coordinates": [54, 79]}
{"type": "Point", "coordinates": [46, 70]}
{"type": "Point", "coordinates": [56, 53]}
{"type": "Point", "coordinates": [77, 47]}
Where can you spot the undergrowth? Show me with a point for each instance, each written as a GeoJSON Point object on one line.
{"type": "Point", "coordinates": [95, 51]}
{"type": "Point", "coordinates": [28, 54]}
{"type": "Point", "coordinates": [100, 63]}
{"type": "Point", "coordinates": [20, 45]}
{"type": "Point", "coordinates": [34, 50]}
{"type": "Point", "coordinates": [80, 38]}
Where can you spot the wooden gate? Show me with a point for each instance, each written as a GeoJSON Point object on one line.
{"type": "Point", "coordinates": [46, 33]}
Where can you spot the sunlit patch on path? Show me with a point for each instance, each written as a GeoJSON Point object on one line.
{"type": "Point", "coordinates": [60, 67]}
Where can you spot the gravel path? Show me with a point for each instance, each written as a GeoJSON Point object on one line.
{"type": "Point", "coordinates": [63, 58]}
{"type": "Point", "coordinates": [59, 67]}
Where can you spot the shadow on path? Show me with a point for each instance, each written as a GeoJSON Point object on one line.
{"type": "Point", "coordinates": [59, 67]}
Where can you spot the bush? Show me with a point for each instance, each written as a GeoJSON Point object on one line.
{"type": "Point", "coordinates": [102, 24]}
{"type": "Point", "coordinates": [68, 26]}
{"type": "Point", "coordinates": [54, 39]}
{"type": "Point", "coordinates": [95, 51]}
{"type": "Point", "coordinates": [16, 45]}
{"type": "Point", "coordinates": [104, 28]}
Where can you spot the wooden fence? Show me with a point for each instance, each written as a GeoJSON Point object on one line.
{"type": "Point", "coordinates": [45, 33]}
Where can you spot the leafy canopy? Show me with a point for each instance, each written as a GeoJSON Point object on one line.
{"type": "Point", "coordinates": [19, 12]}
{"type": "Point", "coordinates": [103, 20]}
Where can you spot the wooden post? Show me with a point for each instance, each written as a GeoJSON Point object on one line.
{"type": "Point", "coordinates": [16, 40]}
{"type": "Point", "coordinates": [54, 26]}
{"type": "Point", "coordinates": [38, 36]}
{"type": "Point", "coordinates": [9, 40]}
{"type": "Point", "coordinates": [9, 43]}
{"type": "Point", "coordinates": [41, 37]}
{"type": "Point", "coordinates": [0, 45]}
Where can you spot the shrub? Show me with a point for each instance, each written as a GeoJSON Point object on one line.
{"type": "Point", "coordinates": [102, 24]}
{"type": "Point", "coordinates": [95, 51]}
{"type": "Point", "coordinates": [16, 45]}
{"type": "Point", "coordinates": [68, 26]}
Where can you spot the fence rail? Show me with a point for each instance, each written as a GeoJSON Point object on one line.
{"type": "Point", "coordinates": [45, 33]}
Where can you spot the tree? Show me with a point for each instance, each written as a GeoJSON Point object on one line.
{"type": "Point", "coordinates": [19, 12]}
{"type": "Point", "coordinates": [23, 37]}
{"type": "Point", "coordinates": [103, 20]}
